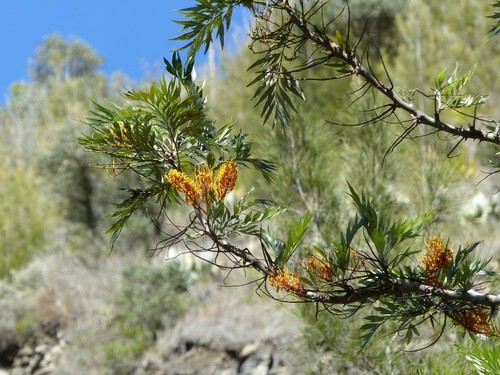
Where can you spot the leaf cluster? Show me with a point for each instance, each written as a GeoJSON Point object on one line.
{"type": "Point", "coordinates": [485, 360]}
{"type": "Point", "coordinates": [495, 29]}
{"type": "Point", "coordinates": [161, 128]}
{"type": "Point", "coordinates": [205, 19]}
{"type": "Point", "coordinates": [448, 91]}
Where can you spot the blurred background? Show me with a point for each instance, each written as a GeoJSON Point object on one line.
{"type": "Point", "coordinates": [68, 305]}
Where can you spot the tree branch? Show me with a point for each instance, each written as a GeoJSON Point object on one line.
{"type": "Point", "coordinates": [469, 296]}
{"type": "Point", "coordinates": [396, 287]}
{"type": "Point", "coordinates": [419, 116]}
{"type": "Point", "coordinates": [243, 254]}
{"type": "Point", "coordinates": [386, 287]}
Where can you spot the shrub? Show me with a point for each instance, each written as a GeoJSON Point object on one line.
{"type": "Point", "coordinates": [152, 297]}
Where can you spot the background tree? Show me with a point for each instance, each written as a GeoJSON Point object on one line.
{"type": "Point", "coordinates": [60, 60]}
{"type": "Point", "coordinates": [49, 192]}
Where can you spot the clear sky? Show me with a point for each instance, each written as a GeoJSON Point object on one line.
{"type": "Point", "coordinates": [130, 34]}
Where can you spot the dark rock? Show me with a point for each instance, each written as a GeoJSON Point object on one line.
{"type": "Point", "coordinates": [9, 347]}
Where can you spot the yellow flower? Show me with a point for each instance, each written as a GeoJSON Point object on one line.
{"type": "Point", "coordinates": [288, 281]}
{"type": "Point", "coordinates": [204, 185]}
{"type": "Point", "coordinates": [205, 179]}
{"type": "Point", "coordinates": [225, 179]}
{"type": "Point", "coordinates": [185, 185]}
{"type": "Point", "coordinates": [435, 258]}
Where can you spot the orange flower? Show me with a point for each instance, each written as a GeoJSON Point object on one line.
{"type": "Point", "coordinates": [319, 268]}
{"type": "Point", "coordinates": [205, 179]}
{"type": "Point", "coordinates": [436, 257]}
{"type": "Point", "coordinates": [288, 281]}
{"type": "Point", "coordinates": [474, 320]}
{"type": "Point", "coordinates": [204, 184]}
{"type": "Point", "coordinates": [356, 260]}
{"type": "Point", "coordinates": [185, 185]}
{"type": "Point", "coordinates": [225, 179]}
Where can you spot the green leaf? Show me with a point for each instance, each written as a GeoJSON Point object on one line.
{"type": "Point", "coordinates": [165, 127]}
{"type": "Point", "coordinates": [341, 40]}
{"type": "Point", "coordinates": [276, 82]}
{"type": "Point", "coordinates": [369, 330]}
{"type": "Point", "coordinates": [203, 20]}
{"type": "Point", "coordinates": [137, 199]}
{"type": "Point", "coordinates": [295, 236]}
{"type": "Point", "coordinates": [495, 16]}
{"type": "Point", "coordinates": [485, 358]}
{"type": "Point", "coordinates": [440, 79]}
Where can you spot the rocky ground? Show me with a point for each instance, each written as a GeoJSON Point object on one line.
{"type": "Point", "coordinates": [238, 332]}
{"type": "Point", "coordinates": [233, 331]}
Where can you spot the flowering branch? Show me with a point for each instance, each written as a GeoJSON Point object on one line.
{"type": "Point", "coordinates": [388, 286]}
{"type": "Point", "coordinates": [467, 307]}
{"type": "Point", "coordinates": [164, 135]}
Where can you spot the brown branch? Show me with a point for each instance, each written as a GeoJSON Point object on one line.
{"type": "Point", "coordinates": [244, 254]}
{"type": "Point", "coordinates": [420, 117]}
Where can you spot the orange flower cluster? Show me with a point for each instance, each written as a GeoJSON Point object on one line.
{"type": "Point", "coordinates": [185, 185]}
{"type": "Point", "coordinates": [205, 178]}
{"type": "Point", "coordinates": [226, 179]}
{"type": "Point", "coordinates": [204, 184]}
{"type": "Point", "coordinates": [436, 257]}
{"type": "Point", "coordinates": [475, 320]}
{"type": "Point", "coordinates": [319, 268]}
{"type": "Point", "coordinates": [288, 281]}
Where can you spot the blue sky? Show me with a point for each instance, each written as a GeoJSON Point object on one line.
{"type": "Point", "coordinates": [131, 35]}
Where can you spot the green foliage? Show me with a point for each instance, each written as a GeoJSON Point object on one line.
{"type": "Point", "coordinates": [167, 126]}
{"type": "Point", "coordinates": [121, 354]}
{"type": "Point", "coordinates": [152, 298]}
{"type": "Point", "coordinates": [462, 273]}
{"type": "Point", "coordinates": [25, 224]}
{"type": "Point", "coordinates": [203, 20]}
{"type": "Point", "coordinates": [463, 31]}
{"type": "Point", "coordinates": [160, 129]}
{"type": "Point", "coordinates": [275, 82]}
{"type": "Point", "coordinates": [385, 236]}
{"type": "Point", "coordinates": [26, 326]}
{"type": "Point", "coordinates": [371, 265]}
{"type": "Point", "coordinates": [64, 194]}
{"type": "Point", "coordinates": [384, 262]}
{"type": "Point", "coordinates": [495, 16]}
{"type": "Point", "coordinates": [283, 250]}
{"type": "Point", "coordinates": [152, 295]}
{"type": "Point", "coordinates": [448, 93]}
{"type": "Point", "coordinates": [331, 345]}
{"type": "Point", "coordinates": [60, 59]}
{"type": "Point", "coordinates": [247, 216]}
{"type": "Point", "coordinates": [485, 359]}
